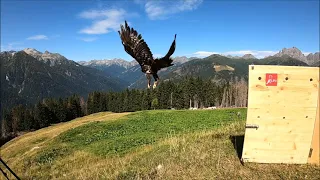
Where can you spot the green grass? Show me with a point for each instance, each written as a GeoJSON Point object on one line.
{"type": "Point", "coordinates": [48, 155]}
{"type": "Point", "coordinates": [161, 144]}
{"type": "Point", "coordinates": [143, 128]}
{"type": "Point", "coordinates": [36, 141]}
{"type": "Point", "coordinates": [209, 155]}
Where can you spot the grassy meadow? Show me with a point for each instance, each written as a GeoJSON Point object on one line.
{"type": "Point", "coordinates": [159, 144]}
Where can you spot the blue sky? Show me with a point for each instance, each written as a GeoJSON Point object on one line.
{"type": "Point", "coordinates": [85, 30]}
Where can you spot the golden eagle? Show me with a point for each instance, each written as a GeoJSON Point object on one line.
{"type": "Point", "coordinates": [135, 46]}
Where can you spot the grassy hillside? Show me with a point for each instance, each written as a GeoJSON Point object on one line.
{"type": "Point", "coordinates": [162, 144]}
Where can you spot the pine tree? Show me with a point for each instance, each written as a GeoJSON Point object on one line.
{"type": "Point", "coordinates": [154, 103]}
{"type": "Point", "coordinates": [102, 102]}
{"type": "Point", "coordinates": [90, 104]}
{"type": "Point", "coordinates": [41, 116]}
{"type": "Point", "coordinates": [52, 105]}
{"type": "Point", "coordinates": [178, 98]}
{"type": "Point", "coordinates": [146, 100]}
{"type": "Point", "coordinates": [28, 120]}
{"type": "Point", "coordinates": [83, 105]}
{"type": "Point", "coordinates": [97, 102]}
{"type": "Point", "coordinates": [17, 118]}
{"type": "Point", "coordinates": [61, 110]}
{"type": "Point", "coordinates": [127, 105]}
{"type": "Point", "coordinates": [74, 107]}
{"type": "Point", "coordinates": [6, 123]}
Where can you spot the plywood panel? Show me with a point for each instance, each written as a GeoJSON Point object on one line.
{"type": "Point", "coordinates": [285, 114]}
{"type": "Point", "coordinates": [315, 156]}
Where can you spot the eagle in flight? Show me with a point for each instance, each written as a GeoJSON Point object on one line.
{"type": "Point", "coordinates": [135, 46]}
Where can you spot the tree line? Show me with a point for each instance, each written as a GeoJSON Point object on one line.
{"type": "Point", "coordinates": [189, 92]}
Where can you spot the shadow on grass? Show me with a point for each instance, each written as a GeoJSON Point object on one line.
{"type": "Point", "coordinates": [237, 142]}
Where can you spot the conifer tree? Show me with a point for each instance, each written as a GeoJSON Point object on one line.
{"type": "Point", "coordinates": [41, 116]}
{"type": "Point", "coordinates": [6, 123]}
{"type": "Point", "coordinates": [18, 118]}
{"type": "Point", "coordinates": [154, 103]}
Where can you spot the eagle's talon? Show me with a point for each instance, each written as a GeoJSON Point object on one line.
{"type": "Point", "coordinates": [155, 84]}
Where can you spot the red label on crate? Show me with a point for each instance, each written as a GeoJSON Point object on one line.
{"type": "Point", "coordinates": [271, 79]}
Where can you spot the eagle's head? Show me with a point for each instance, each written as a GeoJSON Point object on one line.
{"type": "Point", "coordinates": [146, 69]}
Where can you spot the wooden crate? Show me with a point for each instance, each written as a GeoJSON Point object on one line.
{"type": "Point", "coordinates": [282, 121]}
{"type": "Point", "coordinates": [314, 158]}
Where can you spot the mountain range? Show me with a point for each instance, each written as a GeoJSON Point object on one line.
{"type": "Point", "coordinates": [127, 71]}
{"type": "Point", "coordinates": [28, 76]}
{"type": "Point", "coordinates": [130, 71]}
{"type": "Point", "coordinates": [294, 52]}
{"type": "Point", "coordinates": [311, 59]}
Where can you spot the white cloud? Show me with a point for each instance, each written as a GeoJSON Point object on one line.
{"type": "Point", "coordinates": [239, 52]}
{"type": "Point", "coordinates": [203, 53]}
{"type": "Point", "coordinates": [161, 9]}
{"type": "Point", "coordinates": [14, 46]}
{"type": "Point", "coordinates": [306, 53]}
{"type": "Point", "coordinates": [94, 14]}
{"type": "Point", "coordinates": [257, 54]}
{"type": "Point", "coordinates": [38, 37]}
{"type": "Point", "coordinates": [89, 39]}
{"type": "Point", "coordinates": [104, 21]}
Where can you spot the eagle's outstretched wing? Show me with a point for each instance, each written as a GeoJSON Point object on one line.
{"type": "Point", "coordinates": [135, 45]}
{"type": "Point", "coordinates": [166, 61]}
{"type": "Point", "coordinates": [172, 48]}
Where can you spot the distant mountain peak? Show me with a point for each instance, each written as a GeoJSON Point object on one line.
{"type": "Point", "coordinates": [8, 52]}
{"type": "Point", "coordinates": [296, 53]}
{"type": "Point", "coordinates": [33, 52]}
{"type": "Point", "coordinates": [128, 64]}
{"type": "Point", "coordinates": [231, 57]}
{"type": "Point", "coordinates": [52, 58]}
{"type": "Point", "coordinates": [313, 59]}
{"type": "Point", "coordinates": [248, 56]}
{"type": "Point", "coordinates": [293, 52]}
{"type": "Point", "coordinates": [30, 49]}
{"type": "Point", "coordinates": [109, 62]}
{"type": "Point", "coordinates": [182, 59]}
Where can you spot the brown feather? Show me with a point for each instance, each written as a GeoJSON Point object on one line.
{"type": "Point", "coordinates": [134, 45]}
